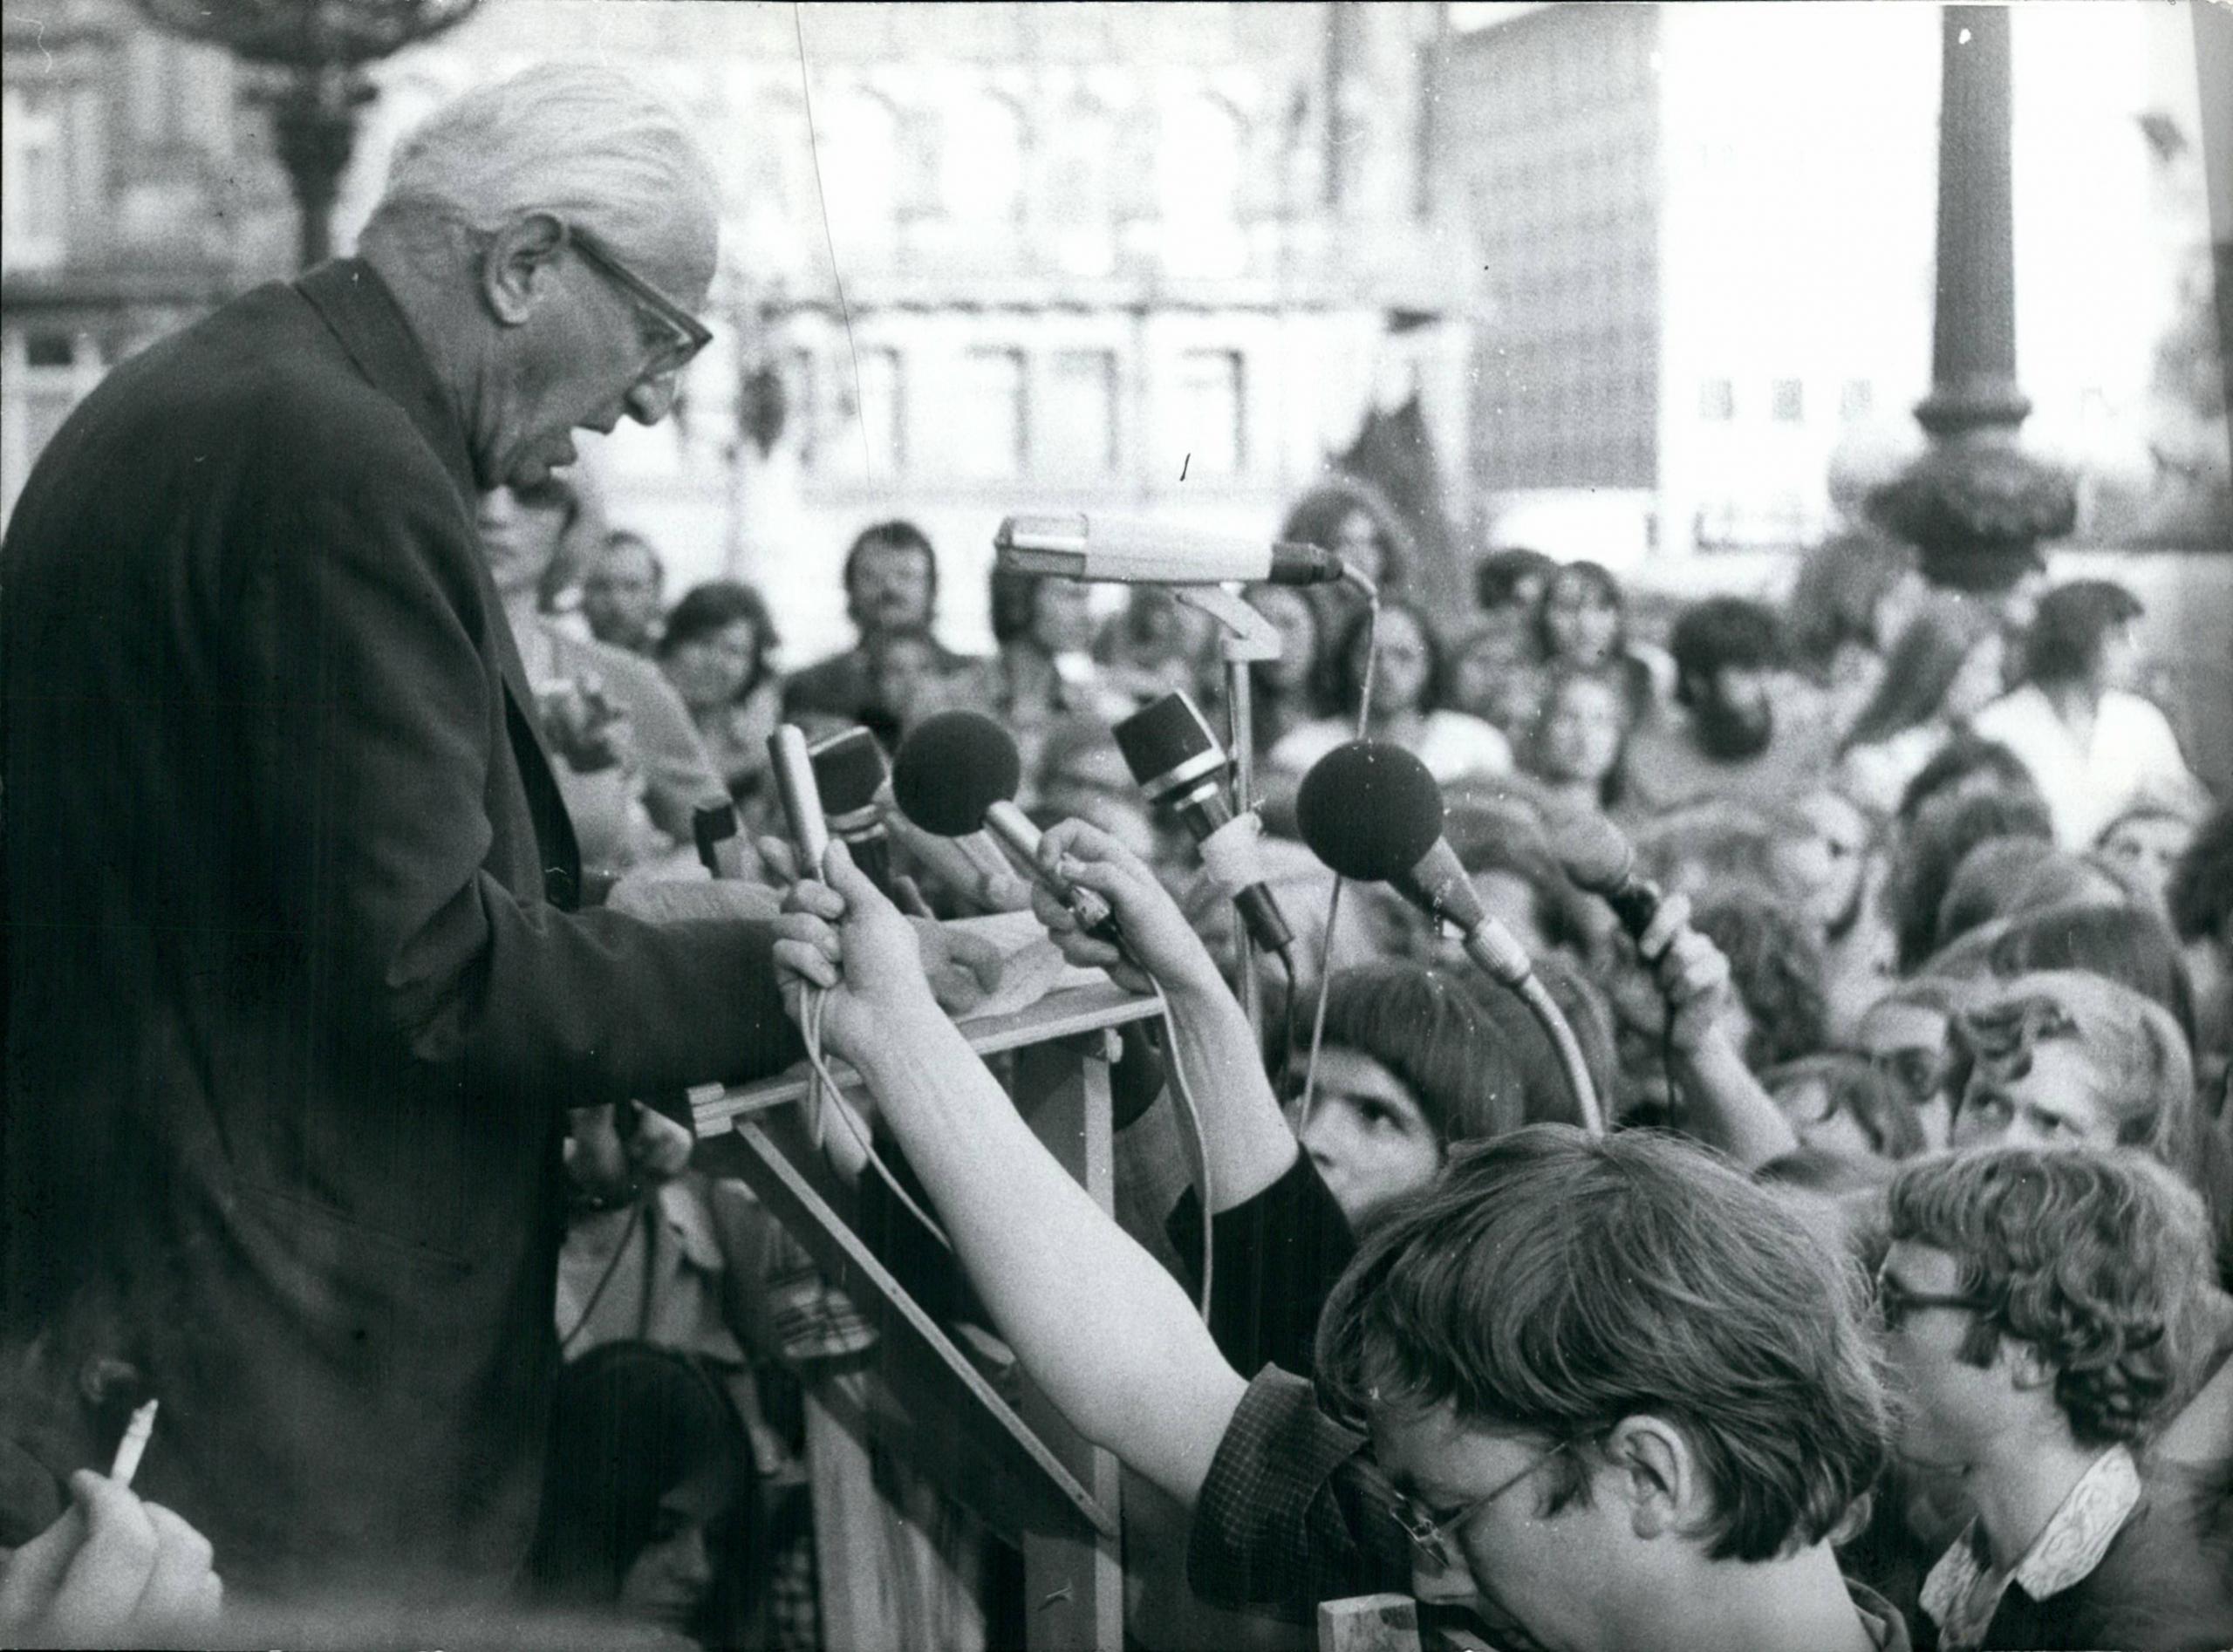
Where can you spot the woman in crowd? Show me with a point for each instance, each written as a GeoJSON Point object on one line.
{"type": "Point", "coordinates": [1041, 672]}
{"type": "Point", "coordinates": [1842, 1107]}
{"type": "Point", "coordinates": [1495, 676]}
{"type": "Point", "coordinates": [1581, 622]}
{"type": "Point", "coordinates": [1945, 667]}
{"type": "Point", "coordinates": [647, 1495]}
{"type": "Point", "coordinates": [1355, 521]}
{"type": "Point", "coordinates": [1853, 597]}
{"type": "Point", "coordinates": [1906, 1036]}
{"type": "Point", "coordinates": [1580, 736]}
{"type": "Point", "coordinates": [1408, 701]}
{"type": "Point", "coordinates": [718, 649]}
{"type": "Point", "coordinates": [2146, 842]}
{"type": "Point", "coordinates": [1280, 690]}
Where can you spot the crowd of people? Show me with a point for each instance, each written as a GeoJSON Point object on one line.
{"type": "Point", "coordinates": [1892, 1307]}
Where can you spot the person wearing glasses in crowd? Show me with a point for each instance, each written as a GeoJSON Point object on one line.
{"type": "Point", "coordinates": [303, 991]}
{"type": "Point", "coordinates": [2047, 1314]}
{"type": "Point", "coordinates": [1610, 1394]}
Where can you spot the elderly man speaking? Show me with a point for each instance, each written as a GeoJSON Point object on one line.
{"type": "Point", "coordinates": [300, 989]}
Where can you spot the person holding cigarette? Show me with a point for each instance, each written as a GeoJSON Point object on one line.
{"type": "Point", "coordinates": [303, 989]}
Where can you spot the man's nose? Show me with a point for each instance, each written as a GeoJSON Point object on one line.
{"type": "Point", "coordinates": [651, 400]}
{"type": "Point", "coordinates": [691, 1564]}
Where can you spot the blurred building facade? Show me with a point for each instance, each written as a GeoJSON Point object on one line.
{"type": "Point", "coordinates": [1707, 231]}
{"type": "Point", "coordinates": [137, 192]}
{"type": "Point", "coordinates": [1159, 260]}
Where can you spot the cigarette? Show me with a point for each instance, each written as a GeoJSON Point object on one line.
{"type": "Point", "coordinates": [134, 1445]}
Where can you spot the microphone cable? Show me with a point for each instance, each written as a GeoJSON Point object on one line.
{"type": "Point", "coordinates": [824, 1096]}
{"type": "Point", "coordinates": [1334, 899]}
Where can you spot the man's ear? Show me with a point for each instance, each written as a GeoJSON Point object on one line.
{"type": "Point", "coordinates": [518, 265]}
{"type": "Point", "coordinates": [1655, 1471]}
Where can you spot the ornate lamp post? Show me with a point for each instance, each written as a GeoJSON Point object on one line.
{"type": "Point", "coordinates": [1976, 505]}
{"type": "Point", "coordinates": [317, 50]}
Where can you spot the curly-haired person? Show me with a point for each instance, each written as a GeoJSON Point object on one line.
{"type": "Point", "coordinates": [2044, 1310]}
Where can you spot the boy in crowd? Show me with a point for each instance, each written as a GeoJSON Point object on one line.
{"type": "Point", "coordinates": [2041, 1306]}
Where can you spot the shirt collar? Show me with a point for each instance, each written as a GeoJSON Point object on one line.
{"type": "Point", "coordinates": [363, 313]}
{"type": "Point", "coordinates": [2077, 1536]}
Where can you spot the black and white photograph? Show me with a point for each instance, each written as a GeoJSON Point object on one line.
{"type": "Point", "coordinates": [1117, 825]}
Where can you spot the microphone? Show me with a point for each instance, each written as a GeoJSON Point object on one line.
{"type": "Point", "coordinates": [956, 773]}
{"type": "Point", "coordinates": [1168, 746]}
{"type": "Point", "coordinates": [1599, 859]}
{"type": "Point", "coordinates": [801, 800]}
{"type": "Point", "coordinates": [1141, 553]}
{"type": "Point", "coordinates": [849, 770]}
{"type": "Point", "coordinates": [1371, 812]}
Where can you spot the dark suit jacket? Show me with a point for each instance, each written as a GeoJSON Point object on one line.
{"type": "Point", "coordinates": [298, 993]}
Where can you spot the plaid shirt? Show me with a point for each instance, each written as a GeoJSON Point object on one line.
{"type": "Point", "coordinates": [1294, 1511]}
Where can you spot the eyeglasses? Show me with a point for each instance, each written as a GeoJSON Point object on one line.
{"type": "Point", "coordinates": [1894, 1302]}
{"type": "Point", "coordinates": [687, 335]}
{"type": "Point", "coordinates": [1435, 1539]}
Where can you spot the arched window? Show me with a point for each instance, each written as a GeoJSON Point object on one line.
{"type": "Point", "coordinates": [1202, 149]}
{"type": "Point", "coordinates": [980, 165]}
{"type": "Point", "coordinates": [857, 141]}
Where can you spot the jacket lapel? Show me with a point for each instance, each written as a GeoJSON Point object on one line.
{"type": "Point", "coordinates": [357, 304]}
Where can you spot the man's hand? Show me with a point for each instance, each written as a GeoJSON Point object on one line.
{"type": "Point", "coordinates": [588, 731]}
{"type": "Point", "coordinates": [1691, 972]}
{"type": "Point", "coordinates": [963, 969]}
{"type": "Point", "coordinates": [1155, 930]}
{"type": "Point", "coordinates": [113, 1571]}
{"type": "Point", "coordinates": [842, 936]}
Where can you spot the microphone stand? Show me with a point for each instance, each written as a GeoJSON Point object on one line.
{"type": "Point", "coordinates": [1244, 638]}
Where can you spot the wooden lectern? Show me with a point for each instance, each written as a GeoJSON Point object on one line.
{"type": "Point", "coordinates": [1018, 1466]}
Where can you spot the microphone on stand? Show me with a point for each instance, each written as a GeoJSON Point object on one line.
{"type": "Point", "coordinates": [1372, 813]}
{"type": "Point", "coordinates": [848, 769]}
{"type": "Point", "coordinates": [1168, 746]}
{"type": "Point", "coordinates": [1142, 553]}
{"type": "Point", "coordinates": [1598, 859]}
{"type": "Point", "coordinates": [957, 773]}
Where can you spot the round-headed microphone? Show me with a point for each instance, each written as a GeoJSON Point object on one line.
{"type": "Point", "coordinates": [1168, 746]}
{"type": "Point", "coordinates": [1371, 812]}
{"type": "Point", "coordinates": [957, 773]}
{"type": "Point", "coordinates": [1598, 859]}
{"type": "Point", "coordinates": [849, 768]}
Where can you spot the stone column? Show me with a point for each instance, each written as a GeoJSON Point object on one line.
{"type": "Point", "coordinates": [1976, 505]}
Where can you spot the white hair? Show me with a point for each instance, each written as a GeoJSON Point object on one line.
{"type": "Point", "coordinates": [586, 143]}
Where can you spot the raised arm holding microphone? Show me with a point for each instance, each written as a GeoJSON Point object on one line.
{"type": "Point", "coordinates": [1619, 1396]}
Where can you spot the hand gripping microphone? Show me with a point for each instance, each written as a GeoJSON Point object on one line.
{"type": "Point", "coordinates": [849, 768]}
{"type": "Point", "coordinates": [957, 773]}
{"type": "Point", "coordinates": [1371, 812]}
{"type": "Point", "coordinates": [1599, 859]}
{"type": "Point", "coordinates": [1180, 765]}
{"type": "Point", "coordinates": [1141, 553]}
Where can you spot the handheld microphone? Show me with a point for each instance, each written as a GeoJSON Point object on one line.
{"type": "Point", "coordinates": [1168, 746]}
{"type": "Point", "coordinates": [1371, 812]}
{"type": "Point", "coordinates": [849, 770]}
{"type": "Point", "coordinates": [1599, 859]}
{"type": "Point", "coordinates": [801, 800]}
{"type": "Point", "coordinates": [1140, 553]}
{"type": "Point", "coordinates": [957, 773]}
